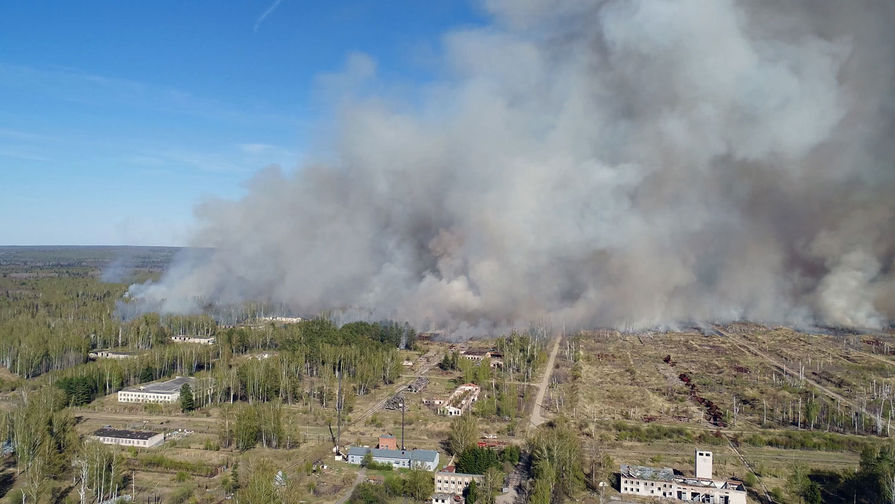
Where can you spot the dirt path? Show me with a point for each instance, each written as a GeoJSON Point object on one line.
{"type": "Point", "coordinates": [873, 356]}
{"type": "Point", "coordinates": [536, 417]}
{"type": "Point", "coordinates": [357, 481]}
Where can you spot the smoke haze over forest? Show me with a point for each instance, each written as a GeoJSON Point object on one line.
{"type": "Point", "coordinates": [611, 163]}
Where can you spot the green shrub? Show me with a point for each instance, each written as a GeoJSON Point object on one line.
{"type": "Point", "coordinates": [477, 460]}
{"type": "Point", "coordinates": [367, 493]}
{"type": "Point", "coordinates": [805, 440]}
{"type": "Point", "coordinates": [180, 495]}
{"type": "Point", "coordinates": [157, 461]}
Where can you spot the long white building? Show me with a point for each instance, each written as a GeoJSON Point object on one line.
{"type": "Point", "coordinates": [410, 459]}
{"type": "Point", "coordinates": [156, 392]}
{"type": "Point", "coordinates": [664, 484]}
{"type": "Point", "coordinates": [182, 338]}
{"type": "Point", "coordinates": [123, 437]}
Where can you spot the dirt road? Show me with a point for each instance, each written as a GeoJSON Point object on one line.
{"type": "Point", "coordinates": [536, 417]}
{"type": "Point", "coordinates": [357, 481]}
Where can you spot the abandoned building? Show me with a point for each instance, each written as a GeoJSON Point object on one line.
{"type": "Point", "coordinates": [449, 482]}
{"type": "Point", "coordinates": [495, 358]}
{"type": "Point", "coordinates": [459, 401]}
{"type": "Point", "coordinates": [156, 392]}
{"type": "Point", "coordinates": [109, 354]}
{"type": "Point", "coordinates": [193, 339]}
{"type": "Point", "coordinates": [665, 484]}
{"type": "Point", "coordinates": [123, 437]}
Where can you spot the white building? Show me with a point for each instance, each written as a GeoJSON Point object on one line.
{"type": "Point", "coordinates": [139, 439]}
{"type": "Point", "coordinates": [108, 354]}
{"type": "Point", "coordinates": [182, 338]}
{"type": "Point", "coordinates": [281, 320]}
{"type": "Point", "coordinates": [664, 484]}
{"type": "Point", "coordinates": [156, 392]}
{"type": "Point", "coordinates": [425, 459]}
{"type": "Point", "coordinates": [454, 483]}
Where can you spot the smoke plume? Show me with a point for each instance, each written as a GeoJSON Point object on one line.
{"type": "Point", "coordinates": [615, 163]}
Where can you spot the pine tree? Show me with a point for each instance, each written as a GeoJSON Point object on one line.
{"type": "Point", "coordinates": [472, 492]}
{"type": "Point", "coordinates": [187, 403]}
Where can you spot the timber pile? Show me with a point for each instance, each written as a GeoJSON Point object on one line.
{"type": "Point", "coordinates": [418, 384]}
{"type": "Point", "coordinates": [395, 402]}
{"type": "Point", "coordinates": [712, 411]}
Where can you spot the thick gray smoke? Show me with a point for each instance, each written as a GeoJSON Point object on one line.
{"type": "Point", "coordinates": [624, 163]}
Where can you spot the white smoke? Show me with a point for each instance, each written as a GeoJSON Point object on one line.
{"type": "Point", "coordinates": [626, 163]}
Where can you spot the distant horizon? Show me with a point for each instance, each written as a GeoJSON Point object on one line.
{"type": "Point", "coordinates": [57, 245]}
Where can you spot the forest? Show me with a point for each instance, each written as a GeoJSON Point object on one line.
{"type": "Point", "coordinates": [57, 306]}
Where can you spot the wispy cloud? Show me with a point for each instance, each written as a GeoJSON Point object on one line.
{"type": "Point", "coordinates": [76, 86]}
{"type": "Point", "coordinates": [14, 152]}
{"type": "Point", "coordinates": [256, 148]}
{"type": "Point", "coordinates": [268, 12]}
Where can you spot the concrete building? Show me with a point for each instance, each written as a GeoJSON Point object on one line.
{"type": "Point", "coordinates": [496, 358]}
{"type": "Point", "coordinates": [664, 484]}
{"type": "Point", "coordinates": [476, 355]}
{"type": "Point", "coordinates": [182, 338]}
{"type": "Point", "coordinates": [703, 464]}
{"type": "Point", "coordinates": [454, 483]}
{"type": "Point", "coordinates": [156, 392]}
{"type": "Point", "coordinates": [426, 459]}
{"type": "Point", "coordinates": [139, 439]}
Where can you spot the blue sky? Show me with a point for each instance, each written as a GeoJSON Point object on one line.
{"type": "Point", "coordinates": [116, 118]}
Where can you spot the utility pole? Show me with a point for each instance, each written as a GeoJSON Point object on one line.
{"type": "Point", "coordinates": [339, 411]}
{"type": "Point", "coordinates": [403, 402]}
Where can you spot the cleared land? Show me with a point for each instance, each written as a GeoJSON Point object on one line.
{"type": "Point", "coordinates": [779, 397]}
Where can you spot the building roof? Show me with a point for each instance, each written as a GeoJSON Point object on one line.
{"type": "Point", "coordinates": [360, 451]}
{"type": "Point", "coordinates": [454, 473]}
{"type": "Point", "coordinates": [647, 473]}
{"type": "Point", "coordinates": [423, 455]}
{"type": "Point", "coordinates": [412, 455]}
{"type": "Point", "coordinates": [124, 433]}
{"type": "Point", "coordinates": [165, 387]}
{"type": "Point", "coordinates": [667, 474]}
